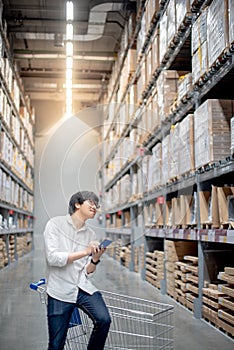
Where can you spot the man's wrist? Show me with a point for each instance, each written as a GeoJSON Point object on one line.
{"type": "Point", "coordinates": [95, 262]}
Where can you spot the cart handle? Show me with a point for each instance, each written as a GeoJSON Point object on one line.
{"type": "Point", "coordinates": [35, 285]}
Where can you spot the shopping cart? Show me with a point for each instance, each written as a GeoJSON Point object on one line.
{"type": "Point", "coordinates": [136, 323]}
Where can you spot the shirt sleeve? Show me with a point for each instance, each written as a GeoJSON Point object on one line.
{"type": "Point", "coordinates": [54, 256]}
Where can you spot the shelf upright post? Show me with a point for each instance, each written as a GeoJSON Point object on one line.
{"type": "Point", "coordinates": [133, 224]}
{"type": "Point", "coordinates": [201, 264]}
{"type": "Point", "coordinates": [163, 283]}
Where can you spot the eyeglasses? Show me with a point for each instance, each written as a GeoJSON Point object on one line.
{"type": "Point", "coordinates": [92, 203]}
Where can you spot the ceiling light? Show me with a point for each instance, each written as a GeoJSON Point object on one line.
{"type": "Point", "coordinates": [69, 11]}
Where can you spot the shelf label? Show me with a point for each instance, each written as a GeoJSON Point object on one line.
{"type": "Point", "coordinates": [211, 235]}
{"type": "Point", "coordinates": [192, 235]}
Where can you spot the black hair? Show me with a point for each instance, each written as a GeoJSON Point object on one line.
{"type": "Point", "coordinates": [79, 198]}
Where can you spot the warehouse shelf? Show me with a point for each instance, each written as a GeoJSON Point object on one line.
{"type": "Point", "coordinates": [119, 231]}
{"type": "Point", "coordinates": [153, 26]}
{"type": "Point", "coordinates": [15, 209]}
{"type": "Point", "coordinates": [4, 166]}
{"type": "Point", "coordinates": [16, 75]}
{"type": "Point", "coordinates": [189, 209]}
{"type": "Point", "coordinates": [204, 235]}
{"type": "Point", "coordinates": [15, 231]}
{"type": "Point", "coordinates": [16, 174]}
{"type": "Point", "coordinates": [15, 110]}
{"type": "Point", "coordinates": [8, 132]}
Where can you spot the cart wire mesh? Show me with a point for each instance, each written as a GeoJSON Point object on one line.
{"type": "Point", "coordinates": [136, 324]}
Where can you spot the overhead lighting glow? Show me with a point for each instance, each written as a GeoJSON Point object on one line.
{"type": "Point", "coordinates": [69, 56]}
{"type": "Point", "coordinates": [69, 11]}
{"type": "Point", "coordinates": [69, 31]}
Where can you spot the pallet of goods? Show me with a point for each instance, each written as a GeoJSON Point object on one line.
{"type": "Point", "coordinates": [155, 267]}
{"type": "Point", "coordinates": [174, 252]}
{"type": "Point", "coordinates": [191, 280]}
{"type": "Point", "coordinates": [226, 301]}
{"type": "Point", "coordinates": [210, 306]}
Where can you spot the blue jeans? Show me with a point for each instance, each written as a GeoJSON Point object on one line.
{"type": "Point", "coordinates": [59, 314]}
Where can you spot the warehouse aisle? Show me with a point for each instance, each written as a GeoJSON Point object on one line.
{"type": "Point", "coordinates": [23, 318]}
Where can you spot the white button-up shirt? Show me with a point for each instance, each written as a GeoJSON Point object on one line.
{"type": "Point", "coordinates": [63, 279]}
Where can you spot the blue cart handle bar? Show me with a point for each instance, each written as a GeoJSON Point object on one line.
{"type": "Point", "coordinates": [35, 285]}
{"type": "Point", "coordinates": [75, 318]}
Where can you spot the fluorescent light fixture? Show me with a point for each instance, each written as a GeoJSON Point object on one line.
{"type": "Point", "coordinates": [69, 57]}
{"type": "Point", "coordinates": [69, 11]}
{"type": "Point", "coordinates": [69, 62]}
{"type": "Point", "coordinates": [69, 48]}
{"type": "Point", "coordinates": [69, 31]}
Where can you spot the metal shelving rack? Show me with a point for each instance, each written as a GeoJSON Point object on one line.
{"type": "Point", "coordinates": [19, 216]}
{"type": "Point", "coordinates": [219, 70]}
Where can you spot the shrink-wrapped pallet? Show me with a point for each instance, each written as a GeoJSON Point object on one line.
{"type": "Point", "coordinates": [217, 29]}
{"type": "Point", "coordinates": [212, 131]}
{"type": "Point", "coordinates": [232, 135]}
{"type": "Point", "coordinates": [186, 154]}
{"type": "Point", "coordinates": [182, 10]}
{"type": "Point", "coordinates": [200, 62]}
{"type": "Point", "coordinates": [171, 21]}
{"type": "Point", "coordinates": [174, 151]}
{"type": "Point", "coordinates": [167, 89]}
{"type": "Point", "coordinates": [165, 159]}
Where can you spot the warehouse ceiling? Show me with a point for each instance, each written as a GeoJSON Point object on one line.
{"type": "Point", "coordinates": [37, 28]}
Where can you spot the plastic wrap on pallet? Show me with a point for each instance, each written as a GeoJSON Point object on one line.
{"type": "Point", "coordinates": [182, 9]}
{"type": "Point", "coordinates": [217, 29]}
{"type": "Point", "coordinates": [184, 85]}
{"type": "Point", "coordinates": [154, 170]}
{"type": "Point", "coordinates": [171, 21]}
{"type": "Point", "coordinates": [200, 62]}
{"type": "Point", "coordinates": [165, 159]}
{"type": "Point", "coordinates": [167, 91]}
{"type": "Point", "coordinates": [174, 151]}
{"type": "Point", "coordinates": [231, 20]}
{"type": "Point", "coordinates": [212, 131]}
{"type": "Point", "coordinates": [155, 51]}
{"type": "Point", "coordinates": [199, 31]}
{"type": "Point", "coordinates": [232, 135]}
{"type": "Point", "coordinates": [186, 154]}
{"type": "Point", "coordinates": [163, 37]}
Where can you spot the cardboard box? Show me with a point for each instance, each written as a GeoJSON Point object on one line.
{"type": "Point", "coordinates": [217, 29]}
{"type": "Point", "coordinates": [200, 62]}
{"type": "Point", "coordinates": [199, 31]}
{"type": "Point", "coordinates": [186, 153]}
{"type": "Point", "coordinates": [212, 131]}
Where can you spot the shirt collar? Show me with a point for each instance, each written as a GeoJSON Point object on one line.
{"type": "Point", "coordinates": [69, 220]}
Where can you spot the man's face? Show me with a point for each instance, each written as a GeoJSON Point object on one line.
{"type": "Point", "coordinates": [88, 209]}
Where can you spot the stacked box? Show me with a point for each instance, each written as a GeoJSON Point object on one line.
{"type": "Point", "coordinates": [183, 10]}
{"type": "Point", "coordinates": [232, 135]}
{"type": "Point", "coordinates": [3, 254]}
{"type": "Point", "coordinates": [163, 37]}
{"type": "Point", "coordinates": [155, 267]}
{"type": "Point", "coordinates": [155, 111]}
{"type": "Point", "coordinates": [192, 280]}
{"type": "Point", "coordinates": [180, 282]}
{"type": "Point", "coordinates": [199, 47]}
{"type": "Point", "coordinates": [167, 92]}
{"type": "Point", "coordinates": [11, 251]}
{"type": "Point", "coordinates": [151, 7]}
{"type": "Point", "coordinates": [155, 51]}
{"type": "Point", "coordinates": [212, 131]}
{"type": "Point", "coordinates": [218, 40]}
{"type": "Point", "coordinates": [226, 313]}
{"type": "Point", "coordinates": [175, 251]}
{"type": "Point", "coordinates": [154, 169]}
{"type": "Point", "coordinates": [186, 154]}
{"type": "Point", "coordinates": [184, 86]}
{"type": "Point", "coordinates": [231, 20]}
{"type": "Point", "coordinates": [165, 159]}
{"type": "Point", "coordinates": [171, 21]}
{"type": "Point", "coordinates": [174, 151]}
{"type": "Point", "coordinates": [210, 305]}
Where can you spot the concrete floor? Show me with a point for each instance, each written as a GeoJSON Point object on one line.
{"type": "Point", "coordinates": [23, 317]}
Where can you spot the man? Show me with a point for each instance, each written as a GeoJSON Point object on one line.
{"type": "Point", "coordinates": [72, 256]}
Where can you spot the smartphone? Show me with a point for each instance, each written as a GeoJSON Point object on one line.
{"type": "Point", "coordinates": [105, 243]}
